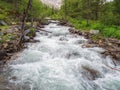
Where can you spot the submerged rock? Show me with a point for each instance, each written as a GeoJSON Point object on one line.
{"type": "Point", "coordinates": [91, 74]}
{"type": "Point", "coordinates": [63, 39]}
{"type": "Point", "coordinates": [34, 41]}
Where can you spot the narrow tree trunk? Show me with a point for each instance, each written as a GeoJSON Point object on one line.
{"type": "Point", "coordinates": [15, 5]}
{"type": "Point", "coordinates": [32, 20]}
{"type": "Point", "coordinates": [88, 14]}
{"type": "Point", "coordinates": [96, 15]}
{"type": "Point", "coordinates": [25, 13]}
{"type": "Point", "coordinates": [65, 9]}
{"type": "Point", "coordinates": [87, 22]}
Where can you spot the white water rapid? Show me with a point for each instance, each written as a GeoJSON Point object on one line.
{"type": "Point", "coordinates": [58, 62]}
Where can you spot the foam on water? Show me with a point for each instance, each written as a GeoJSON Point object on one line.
{"type": "Point", "coordinates": [58, 62]}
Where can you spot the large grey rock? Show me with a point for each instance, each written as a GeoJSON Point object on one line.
{"type": "Point", "coordinates": [27, 32]}
{"type": "Point", "coordinates": [94, 31]}
{"type": "Point", "coordinates": [3, 23]}
{"type": "Point", "coordinates": [26, 38]}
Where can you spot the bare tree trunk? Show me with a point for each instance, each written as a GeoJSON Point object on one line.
{"type": "Point", "coordinates": [25, 13]}
{"type": "Point", "coordinates": [87, 22]}
{"type": "Point", "coordinates": [89, 13]}
{"type": "Point", "coordinates": [16, 5]}
{"type": "Point", "coordinates": [96, 15]}
{"type": "Point", "coordinates": [32, 20]}
{"type": "Point", "coordinates": [65, 9]}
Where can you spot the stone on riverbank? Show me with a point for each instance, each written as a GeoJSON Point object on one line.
{"type": "Point", "coordinates": [94, 32]}
{"type": "Point", "coordinates": [3, 23]}
{"type": "Point", "coordinates": [65, 23]}
{"type": "Point", "coordinates": [111, 45]}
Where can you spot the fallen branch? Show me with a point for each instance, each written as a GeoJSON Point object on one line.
{"type": "Point", "coordinates": [43, 30]}
{"type": "Point", "coordinates": [113, 68]}
{"type": "Point", "coordinates": [46, 31]}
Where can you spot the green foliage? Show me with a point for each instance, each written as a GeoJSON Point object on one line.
{"type": "Point", "coordinates": [2, 16]}
{"type": "Point", "coordinates": [83, 14]}
{"type": "Point", "coordinates": [38, 10]}
{"type": "Point", "coordinates": [94, 14]}
{"type": "Point", "coordinates": [56, 15]}
{"type": "Point", "coordinates": [4, 27]}
{"type": "Point", "coordinates": [106, 31]}
{"type": "Point", "coordinates": [6, 37]}
{"type": "Point", "coordinates": [14, 9]}
{"type": "Point", "coordinates": [32, 32]}
{"type": "Point", "coordinates": [5, 8]}
{"type": "Point", "coordinates": [117, 6]}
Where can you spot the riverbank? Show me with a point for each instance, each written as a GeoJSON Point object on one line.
{"type": "Point", "coordinates": [111, 45]}
{"type": "Point", "coordinates": [10, 36]}
{"type": "Point", "coordinates": [8, 42]}
{"type": "Point", "coordinates": [95, 39]}
{"type": "Point", "coordinates": [60, 53]}
{"type": "Point", "coordinates": [106, 31]}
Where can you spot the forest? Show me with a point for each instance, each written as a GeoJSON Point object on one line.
{"type": "Point", "coordinates": [94, 14]}
{"type": "Point", "coordinates": [83, 14]}
{"type": "Point", "coordinates": [59, 45]}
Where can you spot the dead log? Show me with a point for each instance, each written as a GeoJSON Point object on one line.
{"type": "Point", "coordinates": [43, 30]}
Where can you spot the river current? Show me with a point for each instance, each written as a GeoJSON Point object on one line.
{"type": "Point", "coordinates": [59, 62]}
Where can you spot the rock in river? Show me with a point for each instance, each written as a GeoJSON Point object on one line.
{"type": "Point", "coordinates": [2, 54]}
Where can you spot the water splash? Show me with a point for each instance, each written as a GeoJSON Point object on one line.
{"type": "Point", "coordinates": [58, 62]}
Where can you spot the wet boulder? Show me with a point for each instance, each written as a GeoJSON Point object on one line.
{"type": "Point", "coordinates": [90, 73]}
{"type": "Point", "coordinates": [26, 38]}
{"type": "Point", "coordinates": [44, 22]}
{"type": "Point", "coordinates": [27, 32]}
{"type": "Point", "coordinates": [74, 31]}
{"type": "Point", "coordinates": [63, 39]}
{"type": "Point", "coordinates": [63, 22]}
{"type": "Point", "coordinates": [73, 54]}
{"type": "Point", "coordinates": [3, 54]}
{"type": "Point", "coordinates": [34, 41]}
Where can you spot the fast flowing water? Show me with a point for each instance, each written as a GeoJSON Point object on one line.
{"type": "Point", "coordinates": [59, 62]}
